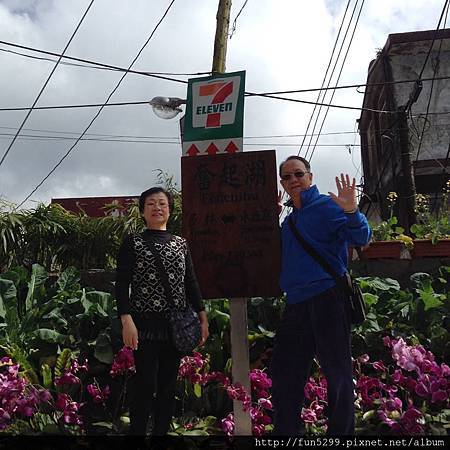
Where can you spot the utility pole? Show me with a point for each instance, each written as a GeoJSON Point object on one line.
{"type": "Point", "coordinates": [409, 185]}
{"type": "Point", "coordinates": [238, 306]}
{"type": "Point", "coordinates": [221, 39]}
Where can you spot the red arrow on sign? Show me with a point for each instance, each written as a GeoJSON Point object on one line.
{"type": "Point", "coordinates": [212, 149]}
{"type": "Point", "coordinates": [193, 150]}
{"type": "Point", "coordinates": [231, 147]}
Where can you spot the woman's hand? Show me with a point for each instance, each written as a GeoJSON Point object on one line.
{"type": "Point", "coordinates": [346, 197]}
{"type": "Point", "coordinates": [129, 332]}
{"type": "Point", "coordinates": [204, 327]}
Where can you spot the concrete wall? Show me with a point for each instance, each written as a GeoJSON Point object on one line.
{"type": "Point", "coordinates": [399, 269]}
{"type": "Point", "coordinates": [406, 60]}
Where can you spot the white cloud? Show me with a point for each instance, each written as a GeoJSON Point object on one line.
{"type": "Point", "coordinates": [282, 45]}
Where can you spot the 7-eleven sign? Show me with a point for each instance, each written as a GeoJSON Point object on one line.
{"type": "Point", "coordinates": [214, 114]}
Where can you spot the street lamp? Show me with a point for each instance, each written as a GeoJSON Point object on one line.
{"type": "Point", "coordinates": [166, 107]}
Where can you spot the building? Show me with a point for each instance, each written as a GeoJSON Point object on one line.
{"type": "Point", "coordinates": [415, 139]}
{"type": "Point", "coordinates": [95, 206]}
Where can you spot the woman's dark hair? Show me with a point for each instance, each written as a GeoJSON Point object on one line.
{"type": "Point", "coordinates": [155, 190]}
{"type": "Point", "coordinates": [299, 158]}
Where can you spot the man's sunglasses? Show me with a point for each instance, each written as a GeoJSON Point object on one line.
{"type": "Point", "coordinates": [298, 174]}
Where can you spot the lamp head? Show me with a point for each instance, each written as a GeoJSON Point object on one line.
{"type": "Point", "coordinates": [166, 107]}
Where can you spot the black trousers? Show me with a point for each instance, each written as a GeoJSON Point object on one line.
{"type": "Point", "coordinates": [152, 388]}
{"type": "Point", "coordinates": [318, 326]}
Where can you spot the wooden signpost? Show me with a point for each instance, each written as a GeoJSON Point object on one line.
{"type": "Point", "coordinates": [230, 218]}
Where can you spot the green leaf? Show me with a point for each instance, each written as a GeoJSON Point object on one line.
{"type": "Point", "coordinates": [228, 365]}
{"type": "Point", "coordinates": [63, 362]}
{"type": "Point", "coordinates": [430, 299]}
{"type": "Point", "coordinates": [197, 390]}
{"type": "Point", "coordinates": [423, 280]}
{"type": "Point", "coordinates": [103, 349]}
{"type": "Point", "coordinates": [195, 433]}
{"type": "Point", "coordinates": [85, 302]}
{"type": "Point", "coordinates": [372, 325]}
{"type": "Point", "coordinates": [68, 280]}
{"type": "Point", "coordinates": [38, 277]}
{"type": "Point", "coordinates": [50, 336]}
{"type": "Point", "coordinates": [8, 296]}
{"type": "Point", "coordinates": [46, 376]}
{"type": "Point", "coordinates": [56, 318]}
{"type": "Point", "coordinates": [125, 419]}
{"type": "Point", "coordinates": [368, 415]}
{"type": "Point", "coordinates": [210, 421]}
{"type": "Point", "coordinates": [103, 299]}
{"type": "Point", "coordinates": [108, 425]}
{"type": "Point", "coordinates": [42, 422]}
{"type": "Point", "coordinates": [222, 319]}
{"type": "Point", "coordinates": [370, 299]}
{"type": "Point", "coordinates": [380, 284]}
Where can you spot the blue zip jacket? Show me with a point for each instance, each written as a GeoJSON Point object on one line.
{"type": "Point", "coordinates": [323, 224]}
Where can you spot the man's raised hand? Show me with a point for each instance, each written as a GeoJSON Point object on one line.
{"type": "Point", "coordinates": [346, 197]}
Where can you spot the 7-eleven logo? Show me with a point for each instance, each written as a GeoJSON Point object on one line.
{"type": "Point", "coordinates": [214, 102]}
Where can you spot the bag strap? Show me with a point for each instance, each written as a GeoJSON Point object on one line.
{"type": "Point", "coordinates": [161, 270]}
{"type": "Point", "coordinates": [313, 253]}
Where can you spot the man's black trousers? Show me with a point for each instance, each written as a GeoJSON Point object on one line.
{"type": "Point", "coordinates": [153, 386]}
{"type": "Point", "coordinates": [318, 326]}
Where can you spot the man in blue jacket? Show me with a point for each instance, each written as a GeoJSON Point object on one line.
{"type": "Point", "coordinates": [315, 321]}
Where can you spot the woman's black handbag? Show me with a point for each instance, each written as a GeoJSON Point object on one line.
{"type": "Point", "coordinates": [185, 327]}
{"type": "Point", "coordinates": [184, 323]}
{"type": "Point", "coordinates": [355, 306]}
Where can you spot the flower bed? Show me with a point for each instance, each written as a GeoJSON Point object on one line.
{"type": "Point", "coordinates": [401, 383]}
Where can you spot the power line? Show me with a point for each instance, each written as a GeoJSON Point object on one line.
{"type": "Point", "coordinates": [409, 104]}
{"type": "Point", "coordinates": [325, 76]}
{"type": "Point", "coordinates": [334, 133]}
{"type": "Point", "coordinates": [101, 109]}
{"type": "Point", "coordinates": [319, 94]}
{"type": "Point", "coordinates": [87, 105]}
{"type": "Point", "coordinates": [347, 86]}
{"type": "Point", "coordinates": [270, 136]}
{"type": "Point", "coordinates": [97, 67]}
{"type": "Point", "coordinates": [96, 63]}
{"type": "Point", "coordinates": [46, 82]}
{"type": "Point", "coordinates": [434, 38]}
{"type": "Point", "coordinates": [340, 72]}
{"type": "Point", "coordinates": [436, 68]}
{"type": "Point", "coordinates": [148, 141]}
{"type": "Point", "coordinates": [331, 76]}
{"type": "Point", "coordinates": [411, 100]}
{"type": "Point", "coordinates": [92, 134]}
{"type": "Point", "coordinates": [249, 94]}
{"type": "Point", "coordinates": [233, 28]}
{"type": "Point", "coordinates": [144, 102]}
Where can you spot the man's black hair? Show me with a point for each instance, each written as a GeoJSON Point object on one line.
{"type": "Point", "coordinates": [299, 158]}
{"type": "Point", "coordinates": [155, 190]}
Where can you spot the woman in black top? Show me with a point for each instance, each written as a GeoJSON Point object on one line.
{"type": "Point", "coordinates": [143, 311]}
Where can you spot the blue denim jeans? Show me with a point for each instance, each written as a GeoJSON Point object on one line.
{"type": "Point", "coordinates": [318, 326]}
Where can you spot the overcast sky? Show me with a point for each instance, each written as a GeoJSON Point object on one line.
{"type": "Point", "coordinates": [282, 44]}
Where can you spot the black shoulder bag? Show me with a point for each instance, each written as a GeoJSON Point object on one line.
{"type": "Point", "coordinates": [349, 286]}
{"type": "Point", "coordinates": [184, 323]}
